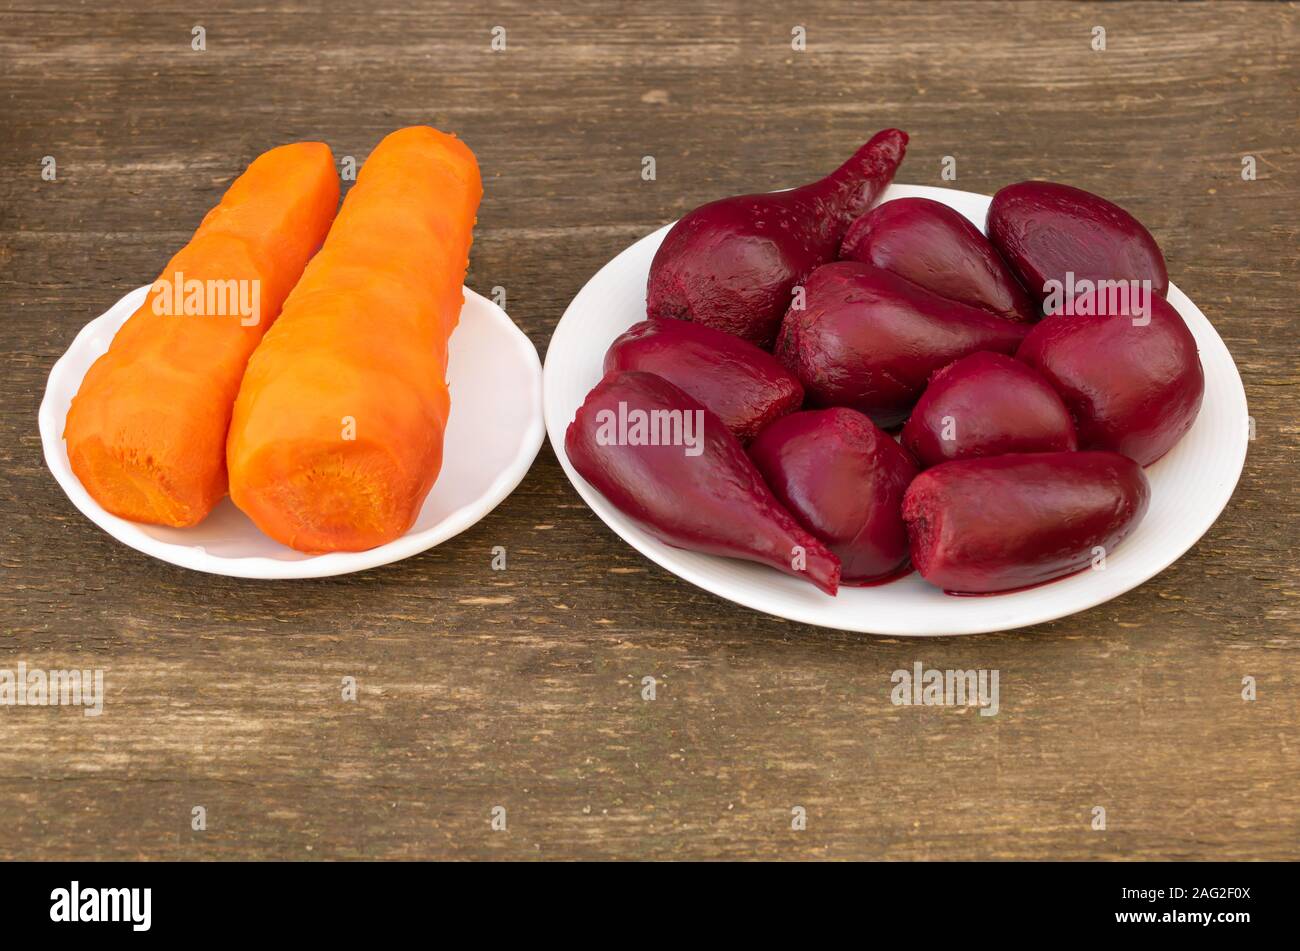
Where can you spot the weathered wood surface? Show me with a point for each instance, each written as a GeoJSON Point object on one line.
{"type": "Point", "coordinates": [523, 688]}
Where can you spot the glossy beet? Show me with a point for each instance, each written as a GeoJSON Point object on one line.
{"type": "Point", "coordinates": [746, 387]}
{"type": "Point", "coordinates": [844, 479]}
{"type": "Point", "coordinates": [1133, 384]}
{"type": "Point", "coordinates": [1007, 522]}
{"type": "Point", "coordinates": [987, 404]}
{"type": "Point", "coordinates": [732, 264]}
{"type": "Point", "coordinates": [936, 247]}
{"type": "Point", "coordinates": [870, 340]}
{"type": "Point", "coordinates": [696, 489]}
{"type": "Point", "coordinates": [1048, 232]}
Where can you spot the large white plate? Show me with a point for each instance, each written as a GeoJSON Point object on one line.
{"type": "Point", "coordinates": [493, 435]}
{"type": "Point", "coordinates": [1190, 485]}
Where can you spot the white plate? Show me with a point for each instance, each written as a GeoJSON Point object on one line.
{"type": "Point", "coordinates": [493, 435]}
{"type": "Point", "coordinates": [1189, 486]}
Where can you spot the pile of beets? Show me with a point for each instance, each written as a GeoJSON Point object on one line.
{"type": "Point", "coordinates": [1033, 372]}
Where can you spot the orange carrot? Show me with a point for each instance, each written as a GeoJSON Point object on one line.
{"type": "Point", "coordinates": [337, 432]}
{"type": "Point", "coordinates": [146, 433]}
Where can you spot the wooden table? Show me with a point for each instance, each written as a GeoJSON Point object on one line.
{"type": "Point", "coordinates": [523, 688]}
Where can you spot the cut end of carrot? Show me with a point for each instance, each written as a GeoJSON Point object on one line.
{"type": "Point", "coordinates": [328, 498]}
{"type": "Point", "coordinates": [135, 489]}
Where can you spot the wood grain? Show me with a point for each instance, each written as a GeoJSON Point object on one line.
{"type": "Point", "coordinates": [522, 688]}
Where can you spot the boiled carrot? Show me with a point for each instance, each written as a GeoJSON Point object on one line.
{"type": "Point", "coordinates": [337, 432]}
{"type": "Point", "coordinates": [146, 432]}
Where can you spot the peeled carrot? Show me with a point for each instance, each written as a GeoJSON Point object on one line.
{"type": "Point", "coordinates": [337, 433]}
{"type": "Point", "coordinates": [146, 433]}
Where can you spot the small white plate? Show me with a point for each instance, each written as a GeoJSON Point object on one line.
{"type": "Point", "coordinates": [1189, 486]}
{"type": "Point", "coordinates": [493, 435]}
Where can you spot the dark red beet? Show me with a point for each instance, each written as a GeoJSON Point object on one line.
{"type": "Point", "coordinates": [987, 404]}
{"type": "Point", "coordinates": [733, 263]}
{"type": "Point", "coordinates": [746, 387]}
{"type": "Point", "coordinates": [935, 247]}
{"type": "Point", "coordinates": [1050, 232]}
{"type": "Point", "coordinates": [844, 479]}
{"type": "Point", "coordinates": [870, 340]}
{"type": "Point", "coordinates": [697, 491]}
{"type": "Point", "coordinates": [1133, 384]}
{"type": "Point", "coordinates": [1007, 522]}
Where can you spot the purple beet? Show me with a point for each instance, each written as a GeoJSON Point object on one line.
{"type": "Point", "coordinates": [671, 466]}
{"type": "Point", "coordinates": [987, 404]}
{"type": "Point", "coordinates": [935, 246]}
{"type": "Point", "coordinates": [870, 340]}
{"type": "Point", "coordinates": [1132, 380]}
{"type": "Point", "coordinates": [844, 479]}
{"type": "Point", "coordinates": [1055, 233]}
{"type": "Point", "coordinates": [1006, 522]}
{"type": "Point", "coordinates": [733, 263]}
{"type": "Point", "coordinates": [746, 387]}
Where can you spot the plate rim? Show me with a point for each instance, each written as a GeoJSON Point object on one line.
{"type": "Point", "coordinates": [664, 555]}
{"type": "Point", "coordinates": [262, 567]}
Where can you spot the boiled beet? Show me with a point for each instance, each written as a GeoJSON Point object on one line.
{"type": "Point", "coordinates": [987, 404]}
{"type": "Point", "coordinates": [1006, 522]}
{"type": "Point", "coordinates": [936, 247]}
{"type": "Point", "coordinates": [671, 466]}
{"type": "Point", "coordinates": [733, 263]}
{"type": "Point", "coordinates": [844, 479]}
{"type": "Point", "coordinates": [1055, 233]}
{"type": "Point", "coordinates": [869, 339]}
{"type": "Point", "coordinates": [746, 387]}
{"type": "Point", "coordinates": [1133, 382]}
